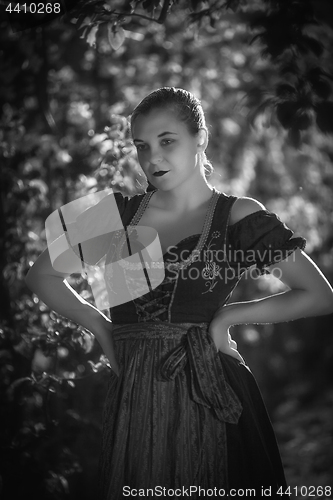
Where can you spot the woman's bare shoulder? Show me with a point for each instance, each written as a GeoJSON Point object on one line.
{"type": "Point", "coordinates": [244, 206]}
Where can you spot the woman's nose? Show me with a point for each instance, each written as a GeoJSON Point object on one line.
{"type": "Point", "coordinates": [156, 157]}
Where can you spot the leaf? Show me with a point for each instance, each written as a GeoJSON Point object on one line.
{"type": "Point", "coordinates": [312, 44]}
{"type": "Point", "coordinates": [86, 340]}
{"type": "Point", "coordinates": [84, 33]}
{"type": "Point", "coordinates": [324, 117]}
{"type": "Point", "coordinates": [290, 68]}
{"type": "Point", "coordinates": [96, 367]}
{"type": "Point", "coordinates": [195, 4]}
{"type": "Point", "coordinates": [116, 36]}
{"type": "Point", "coordinates": [150, 5]}
{"type": "Point", "coordinates": [91, 38]}
{"type": "Point", "coordinates": [285, 91]}
{"type": "Point", "coordinates": [285, 112]}
{"type": "Point", "coordinates": [262, 109]}
{"type": "Point", "coordinates": [294, 137]}
{"type": "Point", "coordinates": [232, 5]}
{"type": "Point", "coordinates": [11, 389]}
{"type": "Point", "coordinates": [86, 22]}
{"type": "Point", "coordinates": [64, 483]}
{"type": "Point", "coordinates": [322, 88]}
{"type": "Point", "coordinates": [318, 73]}
{"type": "Point", "coordinates": [258, 36]}
{"type": "Point", "coordinates": [303, 119]}
{"type": "Point", "coordinates": [318, 80]}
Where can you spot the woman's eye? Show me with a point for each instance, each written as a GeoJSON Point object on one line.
{"type": "Point", "coordinates": [167, 142]}
{"type": "Point", "coordinates": [141, 147]}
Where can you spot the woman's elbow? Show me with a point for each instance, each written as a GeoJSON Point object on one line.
{"type": "Point", "coordinates": [316, 301]}
{"type": "Point", "coordinates": [33, 279]}
{"type": "Point", "coordinates": [30, 279]}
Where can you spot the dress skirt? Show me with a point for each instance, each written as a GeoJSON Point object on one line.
{"type": "Point", "coordinates": [184, 421]}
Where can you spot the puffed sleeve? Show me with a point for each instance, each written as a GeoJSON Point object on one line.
{"type": "Point", "coordinates": [260, 239]}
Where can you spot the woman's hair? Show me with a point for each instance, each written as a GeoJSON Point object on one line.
{"type": "Point", "coordinates": [186, 107]}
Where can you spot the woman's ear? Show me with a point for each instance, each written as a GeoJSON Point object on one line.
{"type": "Point", "coordinates": [202, 140]}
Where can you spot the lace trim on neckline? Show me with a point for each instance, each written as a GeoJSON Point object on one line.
{"type": "Point", "coordinates": [195, 254]}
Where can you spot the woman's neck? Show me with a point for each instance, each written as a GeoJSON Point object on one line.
{"type": "Point", "coordinates": [183, 198]}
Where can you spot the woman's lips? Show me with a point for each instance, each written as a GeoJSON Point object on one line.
{"type": "Point", "coordinates": [160, 173]}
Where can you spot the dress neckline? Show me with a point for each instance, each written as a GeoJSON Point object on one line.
{"type": "Point", "coordinates": [194, 255]}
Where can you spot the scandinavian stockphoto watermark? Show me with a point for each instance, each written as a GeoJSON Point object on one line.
{"type": "Point", "coordinates": [230, 263]}
{"type": "Point", "coordinates": [87, 236]}
{"type": "Point", "coordinates": [122, 263]}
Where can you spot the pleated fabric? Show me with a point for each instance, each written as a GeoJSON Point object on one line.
{"type": "Point", "coordinates": [182, 415]}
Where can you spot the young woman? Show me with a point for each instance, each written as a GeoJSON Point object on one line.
{"type": "Point", "coordinates": [183, 414]}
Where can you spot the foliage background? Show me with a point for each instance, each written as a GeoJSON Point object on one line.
{"type": "Point", "coordinates": [66, 90]}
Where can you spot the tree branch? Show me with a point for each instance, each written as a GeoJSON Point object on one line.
{"type": "Point", "coordinates": [164, 12]}
{"type": "Point", "coordinates": [160, 20]}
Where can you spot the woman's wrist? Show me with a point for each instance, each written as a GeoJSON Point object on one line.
{"type": "Point", "coordinates": [226, 315]}
{"type": "Point", "coordinates": [101, 328]}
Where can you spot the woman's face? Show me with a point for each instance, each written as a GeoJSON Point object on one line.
{"type": "Point", "coordinates": [164, 144]}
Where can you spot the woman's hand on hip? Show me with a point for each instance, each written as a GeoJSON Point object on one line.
{"type": "Point", "coordinates": [219, 332]}
{"type": "Point", "coordinates": [102, 329]}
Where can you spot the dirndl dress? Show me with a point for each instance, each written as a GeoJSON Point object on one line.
{"type": "Point", "coordinates": [183, 420]}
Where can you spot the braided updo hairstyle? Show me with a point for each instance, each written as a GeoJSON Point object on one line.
{"type": "Point", "coordinates": [186, 107]}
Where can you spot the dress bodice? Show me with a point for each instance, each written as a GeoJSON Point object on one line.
{"type": "Point", "coordinates": [202, 270]}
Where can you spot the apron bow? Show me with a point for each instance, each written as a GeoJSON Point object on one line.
{"type": "Point", "coordinates": [208, 385]}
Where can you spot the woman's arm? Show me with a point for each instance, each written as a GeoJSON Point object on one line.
{"type": "Point", "coordinates": [309, 294]}
{"type": "Point", "coordinates": [52, 288]}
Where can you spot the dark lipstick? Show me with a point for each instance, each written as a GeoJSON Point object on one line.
{"type": "Point", "coordinates": [161, 172]}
